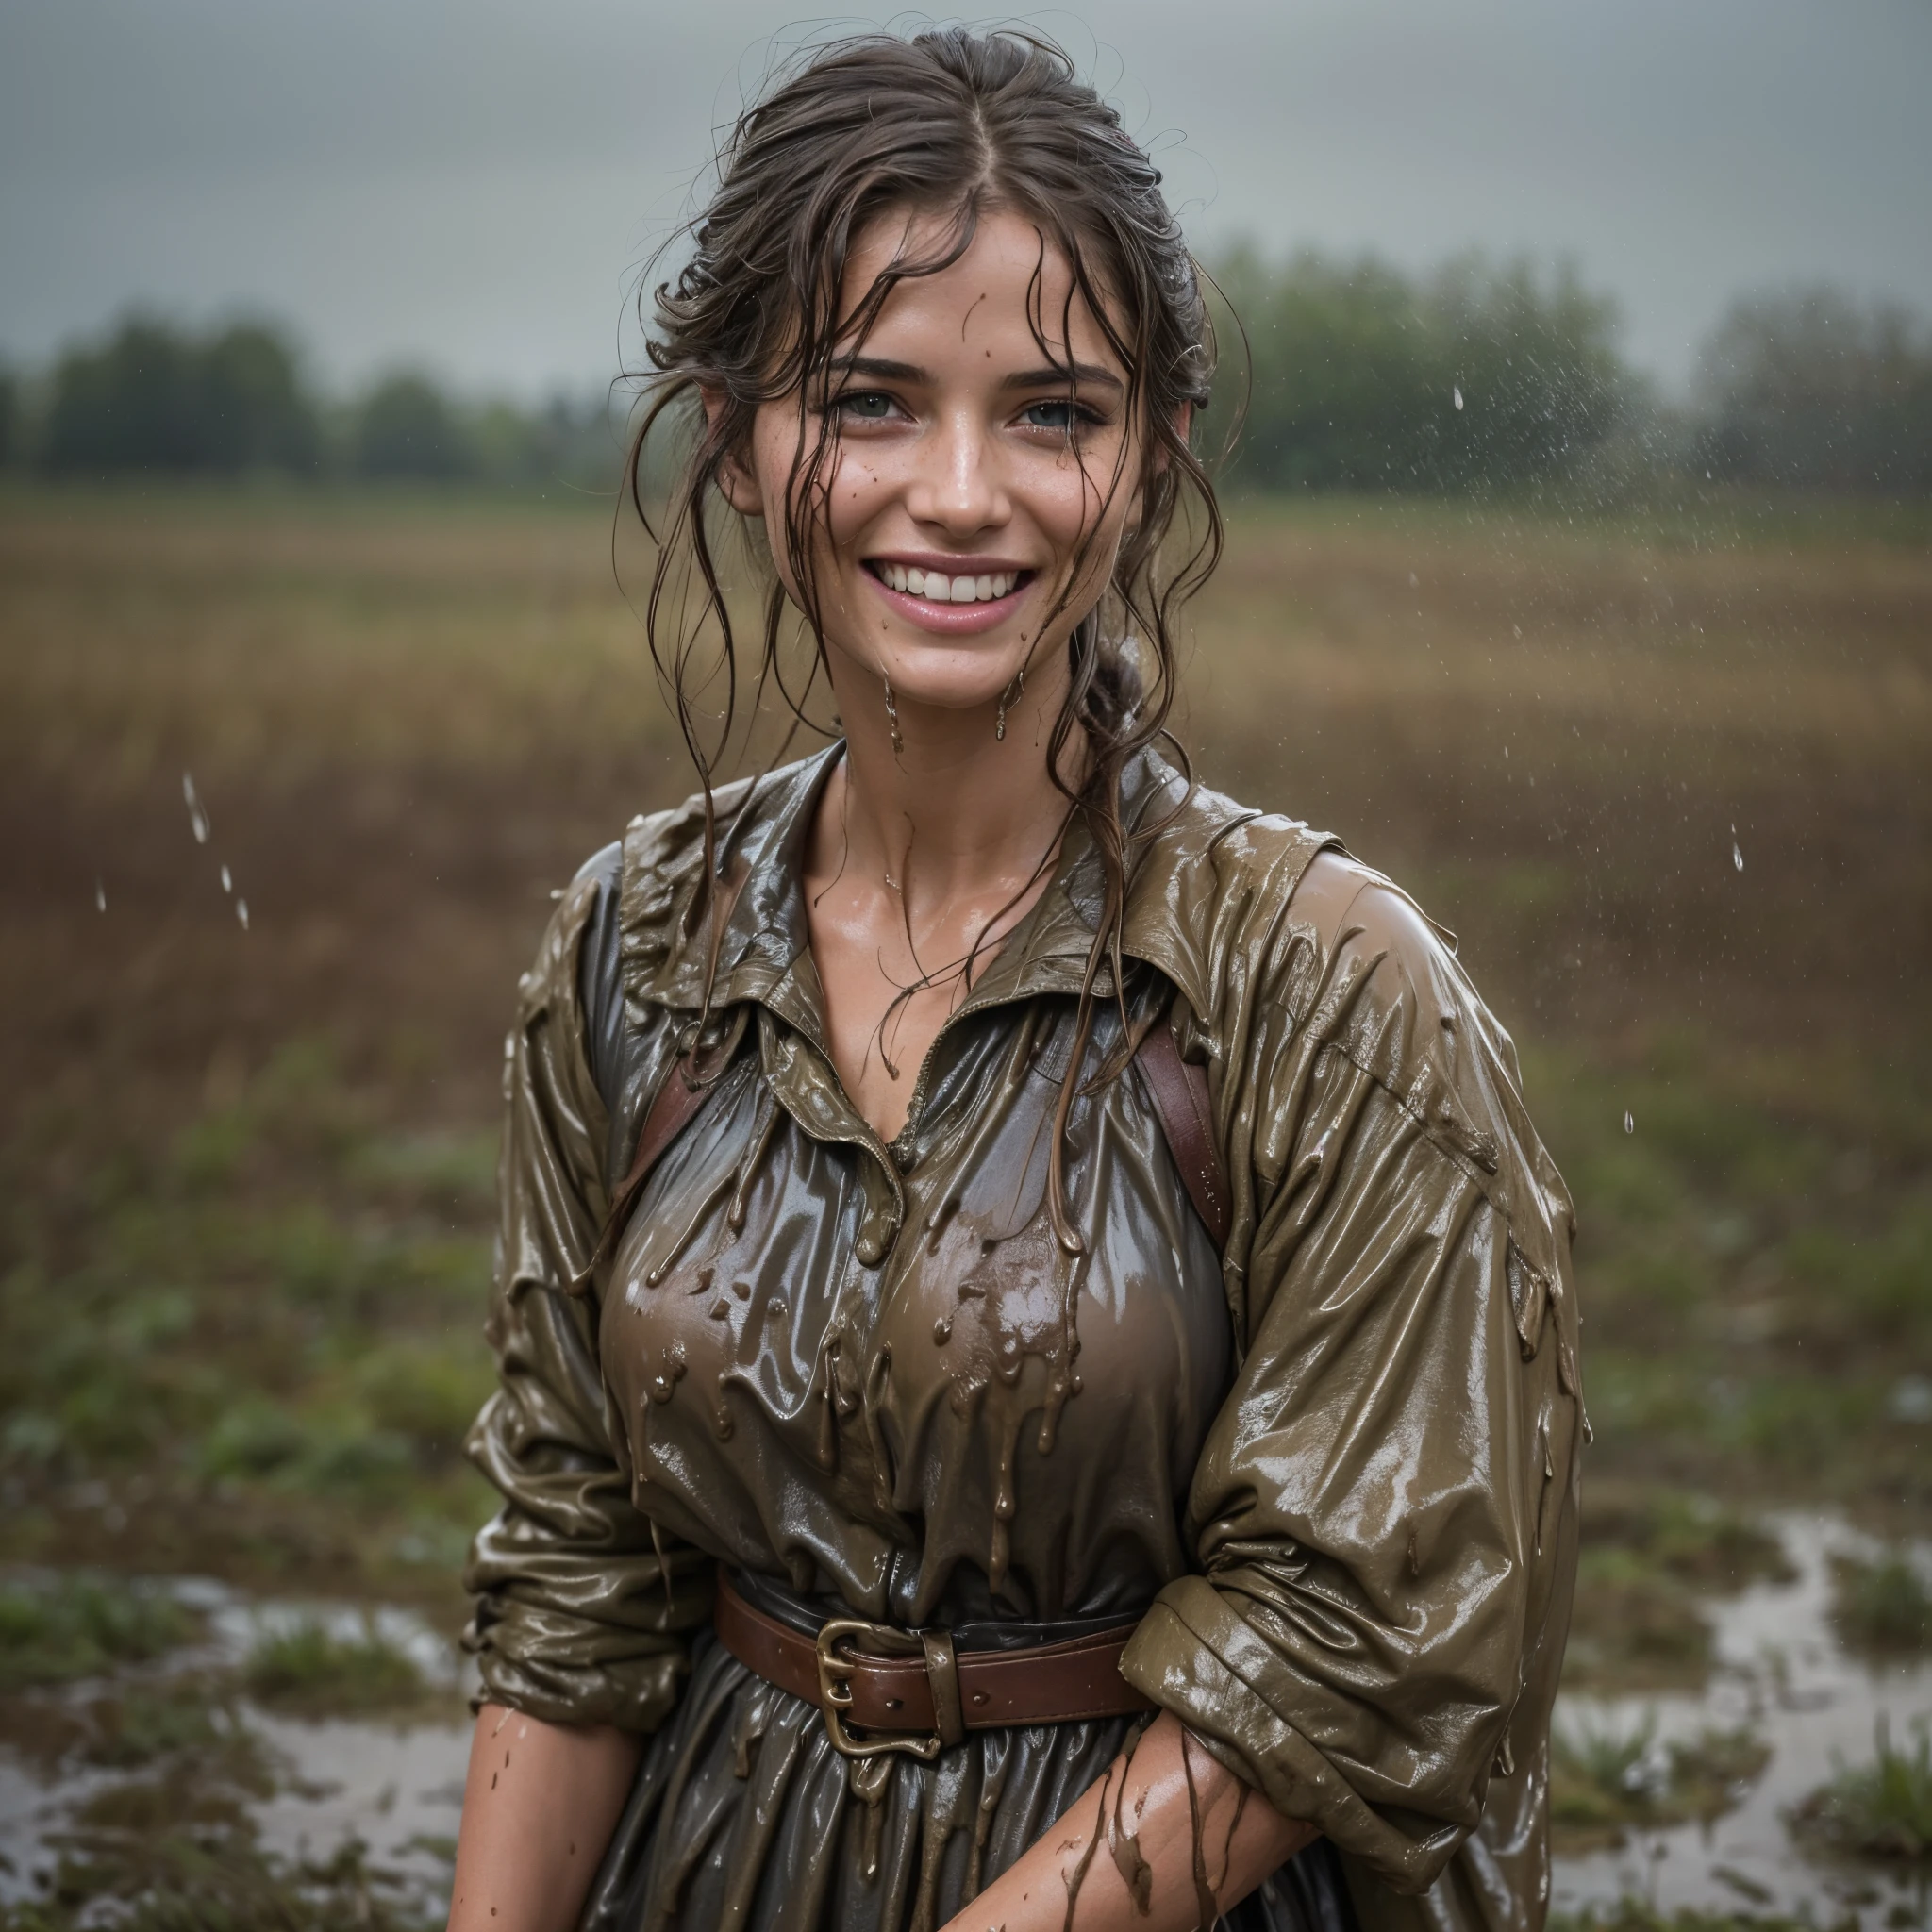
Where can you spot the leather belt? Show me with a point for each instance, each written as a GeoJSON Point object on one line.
{"type": "Point", "coordinates": [911, 1692]}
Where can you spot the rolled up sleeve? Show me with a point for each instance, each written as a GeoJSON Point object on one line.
{"type": "Point", "coordinates": [583, 1611]}
{"type": "Point", "coordinates": [1368, 1512]}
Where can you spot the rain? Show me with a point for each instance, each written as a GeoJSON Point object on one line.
{"type": "Point", "coordinates": [313, 531]}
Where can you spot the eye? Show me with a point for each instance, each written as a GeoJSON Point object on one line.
{"type": "Point", "coordinates": [864, 404]}
{"type": "Point", "coordinates": [1062, 414]}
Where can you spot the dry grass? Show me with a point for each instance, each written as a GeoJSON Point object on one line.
{"type": "Point", "coordinates": [411, 720]}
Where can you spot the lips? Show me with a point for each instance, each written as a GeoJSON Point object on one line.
{"type": "Point", "coordinates": [939, 586]}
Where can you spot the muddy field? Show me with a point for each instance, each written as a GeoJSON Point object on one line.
{"type": "Point", "coordinates": [1669, 777]}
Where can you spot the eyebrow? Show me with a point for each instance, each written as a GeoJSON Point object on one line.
{"type": "Point", "coordinates": [881, 370]}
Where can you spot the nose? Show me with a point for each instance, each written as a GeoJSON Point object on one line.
{"type": "Point", "coordinates": [959, 489]}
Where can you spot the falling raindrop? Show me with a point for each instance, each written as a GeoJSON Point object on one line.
{"type": "Point", "coordinates": [241, 912]}
{"type": "Point", "coordinates": [227, 881]}
{"type": "Point", "coordinates": [1736, 855]}
{"type": "Point", "coordinates": [197, 815]}
{"type": "Point", "coordinates": [1629, 1122]}
{"type": "Point", "coordinates": [1457, 394]}
{"type": "Point", "coordinates": [100, 896]}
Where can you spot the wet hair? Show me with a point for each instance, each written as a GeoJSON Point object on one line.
{"type": "Point", "coordinates": [947, 126]}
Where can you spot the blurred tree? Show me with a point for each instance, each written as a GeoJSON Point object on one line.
{"type": "Point", "coordinates": [1364, 378]}
{"type": "Point", "coordinates": [1809, 388]}
{"type": "Point", "coordinates": [1535, 366]}
{"type": "Point", "coordinates": [406, 427]}
{"type": "Point", "coordinates": [254, 410]}
{"type": "Point", "coordinates": [153, 398]}
{"type": "Point", "coordinates": [10, 419]}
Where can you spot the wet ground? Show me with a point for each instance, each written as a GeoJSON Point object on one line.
{"type": "Point", "coordinates": [278, 1794]}
{"type": "Point", "coordinates": [1641, 764]}
{"type": "Point", "coordinates": [388, 1785]}
{"type": "Point", "coordinates": [1781, 1676]}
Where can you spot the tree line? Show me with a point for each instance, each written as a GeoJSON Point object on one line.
{"type": "Point", "coordinates": [233, 401]}
{"type": "Point", "coordinates": [1495, 376]}
{"type": "Point", "coordinates": [1481, 377]}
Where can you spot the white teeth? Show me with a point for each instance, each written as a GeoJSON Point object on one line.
{"type": "Point", "coordinates": [937, 589]}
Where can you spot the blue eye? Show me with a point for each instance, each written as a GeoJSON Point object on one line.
{"type": "Point", "coordinates": [1056, 415]}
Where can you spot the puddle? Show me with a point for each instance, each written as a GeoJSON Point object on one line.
{"type": "Point", "coordinates": [1782, 1672]}
{"type": "Point", "coordinates": [395, 1783]}
{"type": "Point", "coordinates": [398, 1786]}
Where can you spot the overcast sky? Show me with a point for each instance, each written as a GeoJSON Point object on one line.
{"type": "Point", "coordinates": [472, 184]}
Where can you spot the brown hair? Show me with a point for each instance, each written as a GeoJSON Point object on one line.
{"type": "Point", "coordinates": [950, 123]}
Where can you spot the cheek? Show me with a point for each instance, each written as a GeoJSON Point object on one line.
{"type": "Point", "coordinates": [1078, 502]}
{"type": "Point", "coordinates": [852, 485]}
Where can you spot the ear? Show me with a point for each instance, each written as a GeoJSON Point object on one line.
{"type": "Point", "coordinates": [736, 482]}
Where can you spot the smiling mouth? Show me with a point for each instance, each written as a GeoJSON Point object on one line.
{"type": "Point", "coordinates": [936, 587]}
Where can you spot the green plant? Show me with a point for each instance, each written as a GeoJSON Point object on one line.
{"type": "Point", "coordinates": [1883, 1606]}
{"type": "Point", "coordinates": [1880, 1810]}
{"type": "Point", "coordinates": [55, 1631]}
{"type": "Point", "coordinates": [307, 1669]}
{"type": "Point", "coordinates": [1607, 1779]}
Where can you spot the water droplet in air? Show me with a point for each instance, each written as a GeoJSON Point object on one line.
{"type": "Point", "coordinates": [1413, 580]}
{"type": "Point", "coordinates": [227, 881]}
{"type": "Point", "coordinates": [197, 814]}
{"type": "Point", "coordinates": [1457, 394]}
{"type": "Point", "coordinates": [1629, 1122]}
{"type": "Point", "coordinates": [241, 912]}
{"type": "Point", "coordinates": [1736, 855]}
{"type": "Point", "coordinates": [100, 896]}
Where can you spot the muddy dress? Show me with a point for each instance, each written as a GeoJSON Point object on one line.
{"type": "Point", "coordinates": [1329, 1471]}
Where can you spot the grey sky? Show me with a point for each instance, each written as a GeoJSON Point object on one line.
{"type": "Point", "coordinates": [471, 183]}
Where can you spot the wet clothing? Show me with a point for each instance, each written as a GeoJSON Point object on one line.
{"type": "Point", "coordinates": [1331, 1471]}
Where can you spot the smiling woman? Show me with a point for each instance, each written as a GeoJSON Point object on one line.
{"type": "Point", "coordinates": [1031, 1316]}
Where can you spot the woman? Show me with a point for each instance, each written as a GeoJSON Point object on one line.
{"type": "Point", "coordinates": [1037, 1367]}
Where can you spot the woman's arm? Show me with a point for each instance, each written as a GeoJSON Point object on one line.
{"type": "Point", "coordinates": [539, 1805]}
{"type": "Point", "coordinates": [1163, 1843]}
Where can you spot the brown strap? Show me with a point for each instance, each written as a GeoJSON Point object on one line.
{"type": "Point", "coordinates": [1049, 1684]}
{"type": "Point", "coordinates": [1179, 1091]}
{"type": "Point", "coordinates": [671, 1111]}
{"type": "Point", "coordinates": [1178, 1086]}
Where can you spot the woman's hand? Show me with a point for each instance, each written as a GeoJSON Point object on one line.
{"type": "Point", "coordinates": [1163, 1843]}
{"type": "Point", "coordinates": [540, 1804]}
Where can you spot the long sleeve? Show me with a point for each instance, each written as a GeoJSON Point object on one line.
{"type": "Point", "coordinates": [1383, 1514]}
{"type": "Point", "coordinates": [583, 1613]}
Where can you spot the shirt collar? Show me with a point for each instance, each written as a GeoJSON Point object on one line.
{"type": "Point", "coordinates": [764, 954]}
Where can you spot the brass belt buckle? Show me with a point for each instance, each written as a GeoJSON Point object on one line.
{"type": "Point", "coordinates": [835, 1689]}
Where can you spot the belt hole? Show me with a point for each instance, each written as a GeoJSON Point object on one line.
{"type": "Point", "coordinates": [891, 1703]}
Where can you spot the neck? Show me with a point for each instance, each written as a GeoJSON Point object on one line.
{"type": "Point", "coordinates": [957, 809]}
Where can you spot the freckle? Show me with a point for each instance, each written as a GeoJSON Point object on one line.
{"type": "Point", "coordinates": [493, 1780]}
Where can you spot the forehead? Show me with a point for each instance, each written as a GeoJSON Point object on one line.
{"type": "Point", "coordinates": [1012, 290]}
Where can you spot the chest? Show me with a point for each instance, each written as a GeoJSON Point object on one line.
{"type": "Point", "coordinates": [913, 1342]}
